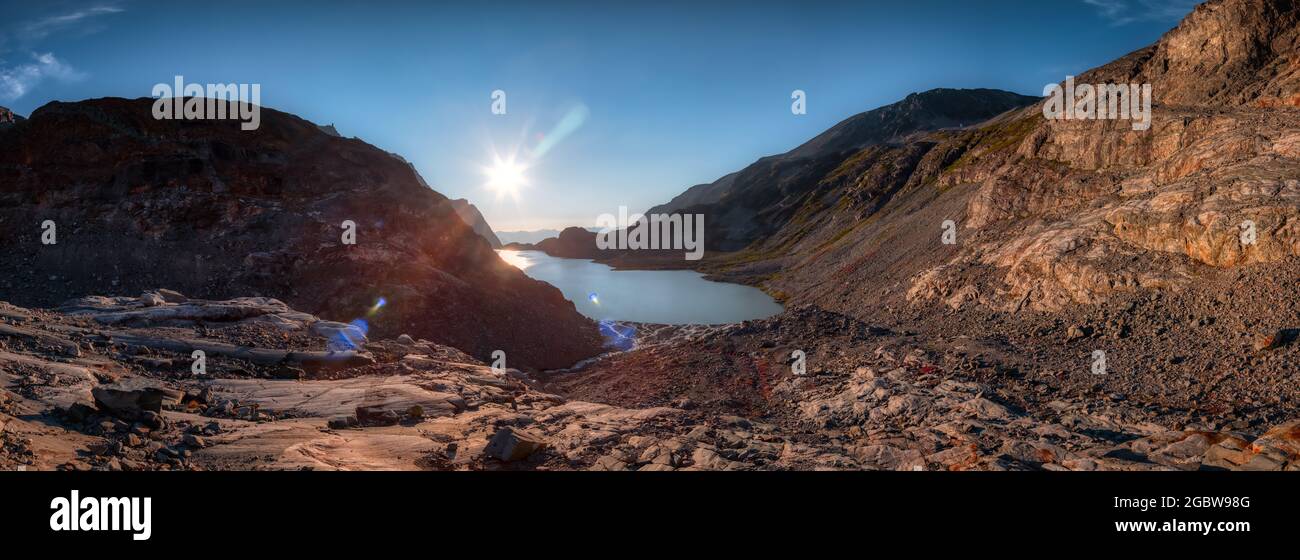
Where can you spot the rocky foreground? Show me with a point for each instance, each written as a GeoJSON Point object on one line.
{"type": "Point", "coordinates": [110, 384]}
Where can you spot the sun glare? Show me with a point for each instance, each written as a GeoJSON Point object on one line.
{"type": "Point", "coordinates": [506, 177]}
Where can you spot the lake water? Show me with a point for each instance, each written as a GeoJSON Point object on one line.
{"type": "Point", "coordinates": [674, 297]}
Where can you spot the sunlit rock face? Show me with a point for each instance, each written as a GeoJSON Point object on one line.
{"type": "Point", "coordinates": [214, 211]}
{"type": "Point", "coordinates": [1054, 213]}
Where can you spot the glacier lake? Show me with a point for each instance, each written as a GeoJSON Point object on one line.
{"type": "Point", "coordinates": [673, 297]}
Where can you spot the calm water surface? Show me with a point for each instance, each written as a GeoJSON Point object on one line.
{"type": "Point", "coordinates": [674, 297]}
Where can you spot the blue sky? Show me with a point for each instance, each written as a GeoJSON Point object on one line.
{"type": "Point", "coordinates": [674, 94]}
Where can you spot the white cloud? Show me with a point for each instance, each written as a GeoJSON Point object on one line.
{"type": "Point", "coordinates": [16, 81]}
{"type": "Point", "coordinates": [1123, 12]}
{"type": "Point", "coordinates": [39, 29]}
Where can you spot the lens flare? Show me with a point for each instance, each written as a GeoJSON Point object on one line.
{"type": "Point", "coordinates": [506, 177]}
{"type": "Point", "coordinates": [618, 335]}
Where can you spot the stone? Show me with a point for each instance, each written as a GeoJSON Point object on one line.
{"type": "Point", "coordinates": [194, 441]}
{"type": "Point", "coordinates": [151, 300]}
{"type": "Point", "coordinates": [514, 444]}
{"type": "Point", "coordinates": [152, 419]}
{"type": "Point", "coordinates": [1275, 340]}
{"type": "Point", "coordinates": [131, 403]}
{"type": "Point", "coordinates": [608, 463]}
{"type": "Point", "coordinates": [1076, 332]}
{"type": "Point", "coordinates": [342, 422]}
{"type": "Point", "coordinates": [339, 336]}
{"type": "Point", "coordinates": [79, 412]}
{"type": "Point", "coordinates": [406, 339]}
{"type": "Point", "coordinates": [172, 296]}
{"type": "Point", "coordinates": [376, 416]}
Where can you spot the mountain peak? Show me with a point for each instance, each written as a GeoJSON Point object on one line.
{"type": "Point", "coordinates": [1224, 53]}
{"type": "Point", "coordinates": [929, 110]}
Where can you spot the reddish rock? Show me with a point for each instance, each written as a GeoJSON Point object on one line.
{"type": "Point", "coordinates": [213, 211]}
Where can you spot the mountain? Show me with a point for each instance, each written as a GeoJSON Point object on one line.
{"type": "Point", "coordinates": [1062, 212]}
{"type": "Point", "coordinates": [470, 214]}
{"type": "Point", "coordinates": [1233, 53]}
{"type": "Point", "coordinates": [572, 243]}
{"type": "Point", "coordinates": [1173, 249]}
{"type": "Point", "coordinates": [8, 117]}
{"type": "Point", "coordinates": [747, 205]}
{"type": "Point", "coordinates": [1125, 297]}
{"type": "Point", "coordinates": [527, 237]}
{"type": "Point", "coordinates": [214, 212]}
{"type": "Point", "coordinates": [532, 237]}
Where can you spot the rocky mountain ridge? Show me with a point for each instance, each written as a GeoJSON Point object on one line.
{"type": "Point", "coordinates": [328, 224]}
{"type": "Point", "coordinates": [474, 219]}
{"type": "Point", "coordinates": [1054, 213]}
{"type": "Point", "coordinates": [745, 206]}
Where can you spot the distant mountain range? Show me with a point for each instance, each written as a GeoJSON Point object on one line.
{"type": "Point", "coordinates": [529, 237]}
{"type": "Point", "coordinates": [533, 237]}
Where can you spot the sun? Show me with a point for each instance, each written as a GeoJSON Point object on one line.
{"type": "Point", "coordinates": [506, 177]}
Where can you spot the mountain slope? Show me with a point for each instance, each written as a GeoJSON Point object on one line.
{"type": "Point", "coordinates": [527, 237]}
{"type": "Point", "coordinates": [212, 211]}
{"type": "Point", "coordinates": [474, 219]}
{"type": "Point", "coordinates": [1224, 54]}
{"type": "Point", "coordinates": [1053, 213]}
{"type": "Point", "coordinates": [749, 204]}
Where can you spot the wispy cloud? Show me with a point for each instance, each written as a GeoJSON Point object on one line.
{"type": "Point", "coordinates": [41, 28]}
{"type": "Point", "coordinates": [16, 81]}
{"type": "Point", "coordinates": [1124, 12]}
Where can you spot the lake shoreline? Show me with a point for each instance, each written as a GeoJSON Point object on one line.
{"type": "Point", "coordinates": [670, 297]}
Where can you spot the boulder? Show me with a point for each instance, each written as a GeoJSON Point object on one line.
{"type": "Point", "coordinates": [340, 336]}
{"type": "Point", "coordinates": [513, 444]}
{"type": "Point", "coordinates": [172, 296]}
{"type": "Point", "coordinates": [377, 416]}
{"type": "Point", "coordinates": [151, 300]}
{"type": "Point", "coordinates": [342, 422]}
{"type": "Point", "coordinates": [133, 403]}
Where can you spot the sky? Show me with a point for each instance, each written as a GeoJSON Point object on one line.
{"type": "Point", "coordinates": [606, 104]}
